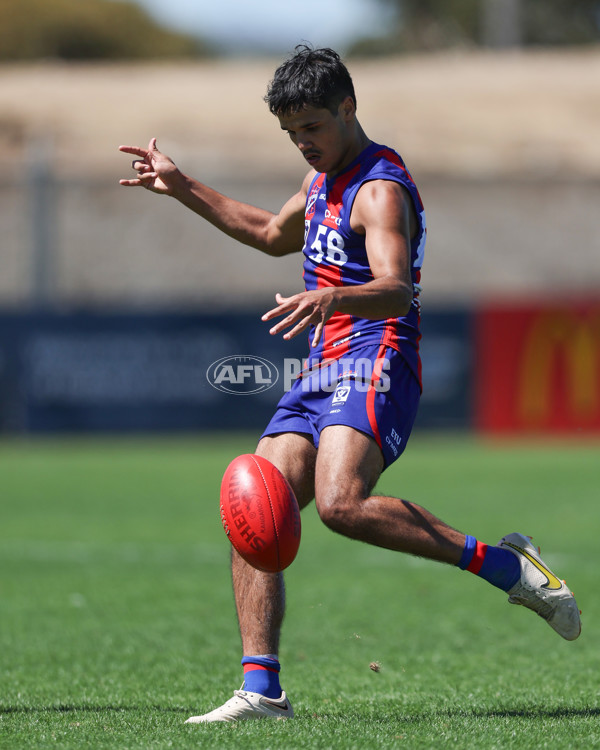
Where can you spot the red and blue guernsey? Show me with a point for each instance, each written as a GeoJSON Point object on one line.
{"type": "Point", "coordinates": [335, 255]}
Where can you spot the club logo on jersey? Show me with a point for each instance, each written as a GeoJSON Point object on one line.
{"type": "Point", "coordinates": [310, 203]}
{"type": "Point", "coordinates": [311, 200]}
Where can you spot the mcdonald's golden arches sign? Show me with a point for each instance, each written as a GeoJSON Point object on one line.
{"type": "Point", "coordinates": [537, 368]}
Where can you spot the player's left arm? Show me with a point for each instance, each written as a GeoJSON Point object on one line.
{"type": "Point", "coordinates": [383, 211]}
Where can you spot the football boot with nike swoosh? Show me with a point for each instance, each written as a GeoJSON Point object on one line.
{"type": "Point", "coordinates": [540, 590]}
{"type": "Point", "coordinates": [246, 705]}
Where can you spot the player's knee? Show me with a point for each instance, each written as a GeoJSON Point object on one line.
{"type": "Point", "coordinates": [337, 507]}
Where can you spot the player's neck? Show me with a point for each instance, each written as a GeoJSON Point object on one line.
{"type": "Point", "coordinates": [358, 144]}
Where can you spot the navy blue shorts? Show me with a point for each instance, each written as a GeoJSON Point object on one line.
{"type": "Point", "coordinates": [372, 391]}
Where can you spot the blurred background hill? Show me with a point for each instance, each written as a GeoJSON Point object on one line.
{"type": "Point", "coordinates": [494, 104]}
{"type": "Point", "coordinates": [150, 29]}
{"type": "Point", "coordinates": [90, 30]}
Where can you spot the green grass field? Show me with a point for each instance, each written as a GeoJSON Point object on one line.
{"type": "Point", "coordinates": [117, 620]}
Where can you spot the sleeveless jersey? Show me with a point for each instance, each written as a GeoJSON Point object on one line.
{"type": "Point", "coordinates": [335, 255]}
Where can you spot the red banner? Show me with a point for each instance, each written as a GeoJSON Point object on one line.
{"type": "Point", "coordinates": [537, 368]}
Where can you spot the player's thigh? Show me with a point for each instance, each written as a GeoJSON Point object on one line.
{"type": "Point", "coordinates": [349, 463]}
{"type": "Point", "coordinates": [294, 454]}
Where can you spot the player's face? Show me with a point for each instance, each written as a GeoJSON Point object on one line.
{"type": "Point", "coordinates": [326, 140]}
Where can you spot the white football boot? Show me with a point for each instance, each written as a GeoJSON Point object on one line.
{"type": "Point", "coordinates": [540, 590]}
{"type": "Point", "coordinates": [246, 705]}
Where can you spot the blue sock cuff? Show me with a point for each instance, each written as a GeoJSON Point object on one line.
{"type": "Point", "coordinates": [262, 661]}
{"type": "Point", "coordinates": [261, 675]}
{"type": "Point", "coordinates": [468, 552]}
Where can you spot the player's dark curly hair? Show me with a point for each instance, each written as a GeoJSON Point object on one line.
{"type": "Point", "coordinates": [309, 78]}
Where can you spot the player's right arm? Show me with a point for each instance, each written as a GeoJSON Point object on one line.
{"type": "Point", "coordinates": [274, 234]}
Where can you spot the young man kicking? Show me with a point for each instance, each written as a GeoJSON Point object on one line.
{"type": "Point", "coordinates": [359, 221]}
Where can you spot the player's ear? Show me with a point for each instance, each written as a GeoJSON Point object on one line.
{"type": "Point", "coordinates": [347, 108]}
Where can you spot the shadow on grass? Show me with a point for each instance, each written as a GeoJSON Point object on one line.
{"type": "Point", "coordinates": [540, 712]}
{"type": "Point", "coordinates": [68, 708]}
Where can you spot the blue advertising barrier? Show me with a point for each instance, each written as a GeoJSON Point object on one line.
{"type": "Point", "coordinates": [447, 356]}
{"type": "Point", "coordinates": [138, 372]}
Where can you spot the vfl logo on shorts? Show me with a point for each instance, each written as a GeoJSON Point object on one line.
{"type": "Point", "coordinates": [341, 395]}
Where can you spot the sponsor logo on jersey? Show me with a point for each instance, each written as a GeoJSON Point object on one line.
{"type": "Point", "coordinates": [331, 217]}
{"type": "Point", "coordinates": [339, 342]}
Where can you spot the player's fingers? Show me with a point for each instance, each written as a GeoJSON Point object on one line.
{"type": "Point", "coordinates": [142, 180]}
{"type": "Point", "coordinates": [302, 325]}
{"type": "Point", "coordinates": [140, 166]}
{"type": "Point", "coordinates": [130, 183]}
{"type": "Point", "coordinates": [147, 176]}
{"type": "Point", "coordinates": [148, 180]}
{"type": "Point", "coordinates": [281, 325]}
{"type": "Point", "coordinates": [292, 318]}
{"type": "Point", "coordinates": [279, 310]}
{"type": "Point", "coordinates": [135, 150]}
{"type": "Point", "coordinates": [270, 314]}
{"type": "Point", "coordinates": [318, 332]}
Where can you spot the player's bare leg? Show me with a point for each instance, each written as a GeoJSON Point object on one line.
{"type": "Point", "coordinates": [349, 464]}
{"type": "Point", "coordinates": [260, 597]}
{"type": "Point", "coordinates": [260, 603]}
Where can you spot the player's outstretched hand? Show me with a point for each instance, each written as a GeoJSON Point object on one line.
{"type": "Point", "coordinates": [155, 171]}
{"type": "Point", "coordinates": [314, 307]}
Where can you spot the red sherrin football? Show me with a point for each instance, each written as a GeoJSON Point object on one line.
{"type": "Point", "coordinates": [260, 513]}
